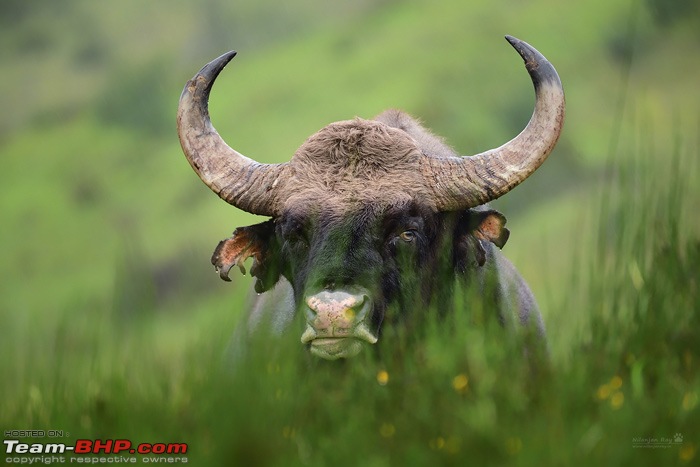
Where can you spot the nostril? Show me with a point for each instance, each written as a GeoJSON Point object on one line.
{"type": "Point", "coordinates": [330, 285]}
{"type": "Point", "coordinates": [313, 304]}
{"type": "Point", "coordinates": [362, 307]}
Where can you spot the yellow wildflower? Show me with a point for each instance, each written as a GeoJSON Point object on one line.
{"type": "Point", "coordinates": [603, 392]}
{"type": "Point", "coordinates": [687, 452]}
{"type": "Point", "coordinates": [616, 382]}
{"type": "Point", "coordinates": [514, 445]}
{"type": "Point", "coordinates": [387, 430]}
{"type": "Point", "coordinates": [460, 383]}
{"type": "Point", "coordinates": [617, 399]}
{"type": "Point", "coordinates": [690, 400]}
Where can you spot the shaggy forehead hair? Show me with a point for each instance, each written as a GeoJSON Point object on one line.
{"type": "Point", "coordinates": [359, 162]}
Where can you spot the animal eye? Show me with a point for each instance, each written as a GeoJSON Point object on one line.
{"type": "Point", "coordinates": [292, 231]}
{"type": "Point", "coordinates": [296, 238]}
{"type": "Point", "coordinates": [408, 236]}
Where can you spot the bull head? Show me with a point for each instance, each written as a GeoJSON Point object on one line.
{"type": "Point", "coordinates": [362, 202]}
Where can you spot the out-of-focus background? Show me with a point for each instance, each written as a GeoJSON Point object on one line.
{"type": "Point", "coordinates": [112, 321]}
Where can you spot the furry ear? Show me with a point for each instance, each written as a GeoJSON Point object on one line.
{"type": "Point", "coordinates": [254, 241]}
{"type": "Point", "coordinates": [474, 229]}
{"type": "Point", "coordinates": [490, 226]}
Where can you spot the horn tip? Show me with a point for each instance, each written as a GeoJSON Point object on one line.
{"type": "Point", "coordinates": [229, 55]}
{"type": "Point", "coordinates": [537, 65]}
{"type": "Point", "coordinates": [204, 79]}
{"type": "Point", "coordinates": [528, 52]}
{"type": "Point", "coordinates": [213, 68]}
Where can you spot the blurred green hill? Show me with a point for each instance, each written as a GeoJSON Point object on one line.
{"type": "Point", "coordinates": [103, 221]}
{"type": "Point", "coordinates": [92, 161]}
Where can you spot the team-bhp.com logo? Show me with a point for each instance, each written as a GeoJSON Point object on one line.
{"type": "Point", "coordinates": [24, 453]}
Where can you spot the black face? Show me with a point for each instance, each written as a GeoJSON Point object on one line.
{"type": "Point", "coordinates": [356, 272]}
{"type": "Point", "coordinates": [349, 270]}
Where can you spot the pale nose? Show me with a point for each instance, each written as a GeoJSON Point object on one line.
{"type": "Point", "coordinates": [336, 313]}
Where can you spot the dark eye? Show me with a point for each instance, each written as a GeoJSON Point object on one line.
{"type": "Point", "coordinates": [293, 234]}
{"type": "Point", "coordinates": [408, 236]}
{"type": "Point", "coordinates": [296, 238]}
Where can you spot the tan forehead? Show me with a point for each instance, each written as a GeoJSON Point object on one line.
{"type": "Point", "coordinates": [360, 147]}
{"type": "Point", "coordinates": [358, 161]}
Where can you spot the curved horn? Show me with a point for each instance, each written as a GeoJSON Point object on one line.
{"type": "Point", "coordinates": [238, 180]}
{"type": "Point", "coordinates": [464, 182]}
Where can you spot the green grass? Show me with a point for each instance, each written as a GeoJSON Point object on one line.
{"type": "Point", "coordinates": [460, 391]}
{"type": "Point", "coordinates": [450, 391]}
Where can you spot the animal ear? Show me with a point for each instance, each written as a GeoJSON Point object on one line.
{"type": "Point", "coordinates": [491, 226]}
{"type": "Point", "coordinates": [254, 241]}
{"type": "Point", "coordinates": [476, 228]}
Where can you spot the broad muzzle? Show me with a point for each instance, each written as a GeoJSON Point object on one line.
{"type": "Point", "coordinates": [337, 324]}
